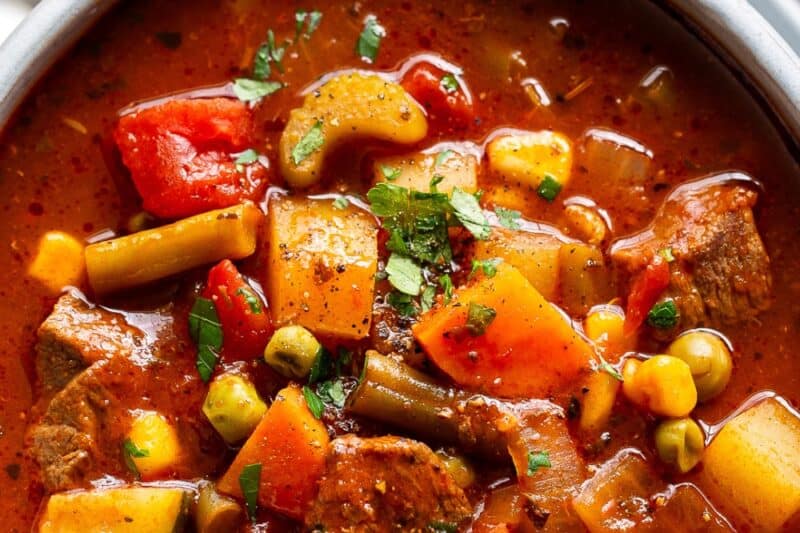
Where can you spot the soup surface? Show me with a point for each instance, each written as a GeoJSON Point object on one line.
{"type": "Point", "coordinates": [397, 266]}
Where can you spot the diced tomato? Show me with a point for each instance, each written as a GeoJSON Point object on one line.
{"type": "Point", "coordinates": [446, 104]}
{"type": "Point", "coordinates": [646, 289]}
{"type": "Point", "coordinates": [246, 322]}
{"type": "Point", "coordinates": [181, 155]}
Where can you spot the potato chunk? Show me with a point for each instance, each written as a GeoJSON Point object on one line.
{"type": "Point", "coordinates": [322, 266]}
{"type": "Point", "coordinates": [415, 171]}
{"type": "Point", "coordinates": [753, 465]}
{"type": "Point", "coordinates": [58, 261]}
{"type": "Point", "coordinates": [347, 106]}
{"type": "Point", "coordinates": [523, 158]}
{"type": "Point", "coordinates": [156, 438]}
{"type": "Point", "coordinates": [127, 509]}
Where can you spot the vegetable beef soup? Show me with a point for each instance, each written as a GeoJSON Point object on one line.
{"type": "Point", "coordinates": [397, 266]}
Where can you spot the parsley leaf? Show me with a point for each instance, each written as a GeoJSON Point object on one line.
{"type": "Point", "coordinates": [507, 217]}
{"type": "Point", "coordinates": [606, 367]}
{"type": "Point", "coordinates": [252, 300]}
{"type": "Point", "coordinates": [206, 331]}
{"type": "Point", "coordinates": [248, 90]}
{"type": "Point", "coordinates": [666, 253]}
{"type": "Point", "coordinates": [390, 173]}
{"type": "Point", "coordinates": [369, 42]}
{"type": "Point", "coordinates": [314, 402]}
{"type": "Point", "coordinates": [442, 527]}
{"type": "Point", "coordinates": [129, 451]}
{"type": "Point", "coordinates": [447, 286]}
{"type": "Point", "coordinates": [250, 482]}
{"type": "Point", "coordinates": [301, 17]}
{"type": "Point", "coordinates": [449, 83]}
{"type": "Point", "coordinates": [537, 460]}
{"type": "Point", "coordinates": [426, 300]}
{"type": "Point", "coordinates": [344, 358]}
{"type": "Point", "coordinates": [549, 188]}
{"type": "Point", "coordinates": [341, 202]}
{"type": "Point", "coordinates": [404, 274]}
{"type": "Point", "coordinates": [663, 315]}
{"type": "Point", "coordinates": [332, 393]}
{"type": "Point", "coordinates": [436, 180]}
{"type": "Point", "coordinates": [402, 303]}
{"type": "Point", "coordinates": [441, 157]}
{"type": "Point", "coordinates": [489, 267]}
{"type": "Point", "coordinates": [321, 367]}
{"type": "Point", "coordinates": [469, 213]}
{"type": "Point", "coordinates": [247, 157]}
{"type": "Point", "coordinates": [310, 143]}
{"type": "Point", "coordinates": [479, 317]}
{"type": "Point", "coordinates": [275, 52]}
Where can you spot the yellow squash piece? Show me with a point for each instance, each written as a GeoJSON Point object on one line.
{"type": "Point", "coordinates": [523, 158]}
{"type": "Point", "coordinates": [753, 465]}
{"type": "Point", "coordinates": [322, 264]}
{"type": "Point", "coordinates": [415, 171]}
{"type": "Point", "coordinates": [154, 436]}
{"type": "Point", "coordinates": [121, 510]}
{"type": "Point", "coordinates": [153, 254]}
{"type": "Point", "coordinates": [58, 262]}
{"type": "Point", "coordinates": [347, 106]}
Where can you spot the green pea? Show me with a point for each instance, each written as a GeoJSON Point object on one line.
{"type": "Point", "coordinates": [680, 443]}
{"type": "Point", "coordinates": [708, 358]}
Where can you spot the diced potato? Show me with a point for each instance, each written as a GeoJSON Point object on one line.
{"type": "Point", "coordinates": [347, 106]}
{"type": "Point", "coordinates": [322, 266]}
{"type": "Point", "coordinates": [598, 401]}
{"type": "Point", "coordinates": [510, 197]}
{"type": "Point", "coordinates": [415, 171]}
{"type": "Point", "coordinates": [504, 511]}
{"type": "Point", "coordinates": [121, 510]}
{"type": "Point", "coordinates": [58, 261]}
{"type": "Point", "coordinates": [151, 433]}
{"type": "Point", "coordinates": [585, 278]}
{"type": "Point", "coordinates": [753, 465]}
{"type": "Point", "coordinates": [523, 158]}
{"type": "Point", "coordinates": [149, 255]}
{"type": "Point", "coordinates": [535, 255]}
{"type": "Point", "coordinates": [618, 159]}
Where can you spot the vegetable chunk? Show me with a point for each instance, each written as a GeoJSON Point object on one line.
{"type": "Point", "coordinates": [290, 445]}
{"type": "Point", "coordinates": [127, 509]}
{"type": "Point", "coordinates": [58, 262]}
{"type": "Point", "coordinates": [753, 465]}
{"type": "Point", "coordinates": [446, 99]}
{"type": "Point", "coordinates": [347, 106]}
{"type": "Point", "coordinates": [182, 155]}
{"type": "Point", "coordinates": [154, 442]}
{"type": "Point", "coordinates": [415, 171]}
{"type": "Point", "coordinates": [160, 252]}
{"type": "Point", "coordinates": [528, 349]}
{"type": "Point", "coordinates": [525, 158]}
{"type": "Point", "coordinates": [322, 266]}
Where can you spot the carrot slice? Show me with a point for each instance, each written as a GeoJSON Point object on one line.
{"type": "Point", "coordinates": [291, 445]}
{"type": "Point", "coordinates": [528, 350]}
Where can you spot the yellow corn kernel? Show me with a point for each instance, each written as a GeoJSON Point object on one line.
{"type": "Point", "coordinates": [598, 402]}
{"type": "Point", "coordinates": [662, 384]}
{"type": "Point", "coordinates": [604, 325]}
{"type": "Point", "coordinates": [58, 261]}
{"type": "Point", "coordinates": [156, 439]}
{"type": "Point", "coordinates": [524, 158]}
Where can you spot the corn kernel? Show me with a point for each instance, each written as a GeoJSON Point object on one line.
{"type": "Point", "coordinates": [155, 437]}
{"type": "Point", "coordinates": [662, 384]}
{"type": "Point", "coordinates": [58, 261]}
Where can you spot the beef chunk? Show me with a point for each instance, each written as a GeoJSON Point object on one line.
{"type": "Point", "coordinates": [721, 273]}
{"type": "Point", "coordinates": [76, 334]}
{"type": "Point", "coordinates": [385, 484]}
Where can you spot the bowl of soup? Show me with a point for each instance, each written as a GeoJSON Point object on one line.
{"type": "Point", "coordinates": [396, 266]}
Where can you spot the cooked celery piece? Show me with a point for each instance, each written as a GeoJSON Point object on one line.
{"type": "Point", "coordinates": [121, 510]}
{"type": "Point", "coordinates": [156, 253]}
{"type": "Point", "coordinates": [233, 407]}
{"type": "Point", "coordinates": [216, 513]}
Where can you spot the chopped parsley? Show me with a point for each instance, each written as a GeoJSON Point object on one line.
{"type": "Point", "coordinates": [341, 202]}
{"type": "Point", "coordinates": [248, 90]}
{"type": "Point", "coordinates": [435, 180]}
{"type": "Point", "coordinates": [666, 253]}
{"type": "Point", "coordinates": [247, 157]}
{"type": "Point", "coordinates": [489, 267]}
{"type": "Point", "coordinates": [606, 367]}
{"type": "Point", "coordinates": [206, 332]}
{"type": "Point", "coordinates": [549, 188]}
{"type": "Point", "coordinates": [537, 460]}
{"type": "Point", "coordinates": [663, 315]}
{"type": "Point", "coordinates": [449, 83]}
{"type": "Point", "coordinates": [402, 303]}
{"type": "Point", "coordinates": [369, 42]}
{"type": "Point", "coordinates": [268, 53]}
{"type": "Point", "coordinates": [311, 22]}
{"type": "Point", "coordinates": [314, 402]}
{"type": "Point", "coordinates": [441, 157]}
{"type": "Point", "coordinates": [404, 274]}
{"type": "Point", "coordinates": [131, 451]}
{"type": "Point", "coordinates": [479, 317]}
{"type": "Point", "coordinates": [447, 286]}
{"type": "Point", "coordinates": [469, 213]}
{"type": "Point", "coordinates": [507, 217]}
{"type": "Point", "coordinates": [426, 300]}
{"type": "Point", "coordinates": [442, 527]}
{"type": "Point", "coordinates": [390, 173]}
{"type": "Point", "coordinates": [249, 482]}
{"type": "Point", "coordinates": [310, 143]}
{"type": "Point", "coordinates": [332, 393]}
{"type": "Point", "coordinates": [252, 300]}
{"type": "Point", "coordinates": [321, 367]}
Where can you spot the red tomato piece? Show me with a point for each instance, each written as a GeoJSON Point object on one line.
{"type": "Point", "coordinates": [646, 289]}
{"type": "Point", "coordinates": [447, 101]}
{"type": "Point", "coordinates": [180, 157]}
{"type": "Point", "coordinates": [246, 322]}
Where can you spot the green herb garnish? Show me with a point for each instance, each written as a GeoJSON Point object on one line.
{"type": "Point", "coordinates": [666, 253]}
{"type": "Point", "coordinates": [663, 315]}
{"type": "Point", "coordinates": [537, 460]}
{"type": "Point", "coordinates": [310, 20]}
{"type": "Point", "coordinates": [507, 217]}
{"type": "Point", "coordinates": [442, 527]}
{"type": "Point", "coordinates": [402, 303]}
{"type": "Point", "coordinates": [341, 202]}
{"type": "Point", "coordinates": [247, 157]}
{"type": "Point", "coordinates": [321, 367]}
{"type": "Point", "coordinates": [390, 173]}
{"type": "Point", "coordinates": [249, 482]}
{"type": "Point", "coordinates": [252, 300]}
{"type": "Point", "coordinates": [479, 317]}
{"type": "Point", "coordinates": [447, 287]}
{"type": "Point", "coordinates": [449, 83]}
{"type": "Point", "coordinates": [369, 42]}
{"type": "Point", "coordinates": [129, 451]}
{"type": "Point", "coordinates": [404, 274]}
{"type": "Point", "coordinates": [248, 90]}
{"type": "Point", "coordinates": [310, 143]}
{"type": "Point", "coordinates": [426, 300]}
{"type": "Point", "coordinates": [206, 332]}
{"type": "Point", "coordinates": [469, 213]}
{"type": "Point", "coordinates": [441, 157]}
{"type": "Point", "coordinates": [314, 402]}
{"type": "Point", "coordinates": [332, 393]}
{"type": "Point", "coordinates": [489, 267]}
{"type": "Point", "coordinates": [549, 188]}
{"type": "Point", "coordinates": [435, 180]}
{"type": "Point", "coordinates": [606, 367]}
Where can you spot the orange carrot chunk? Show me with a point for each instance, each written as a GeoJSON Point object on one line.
{"type": "Point", "coordinates": [527, 349]}
{"type": "Point", "coordinates": [291, 445]}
